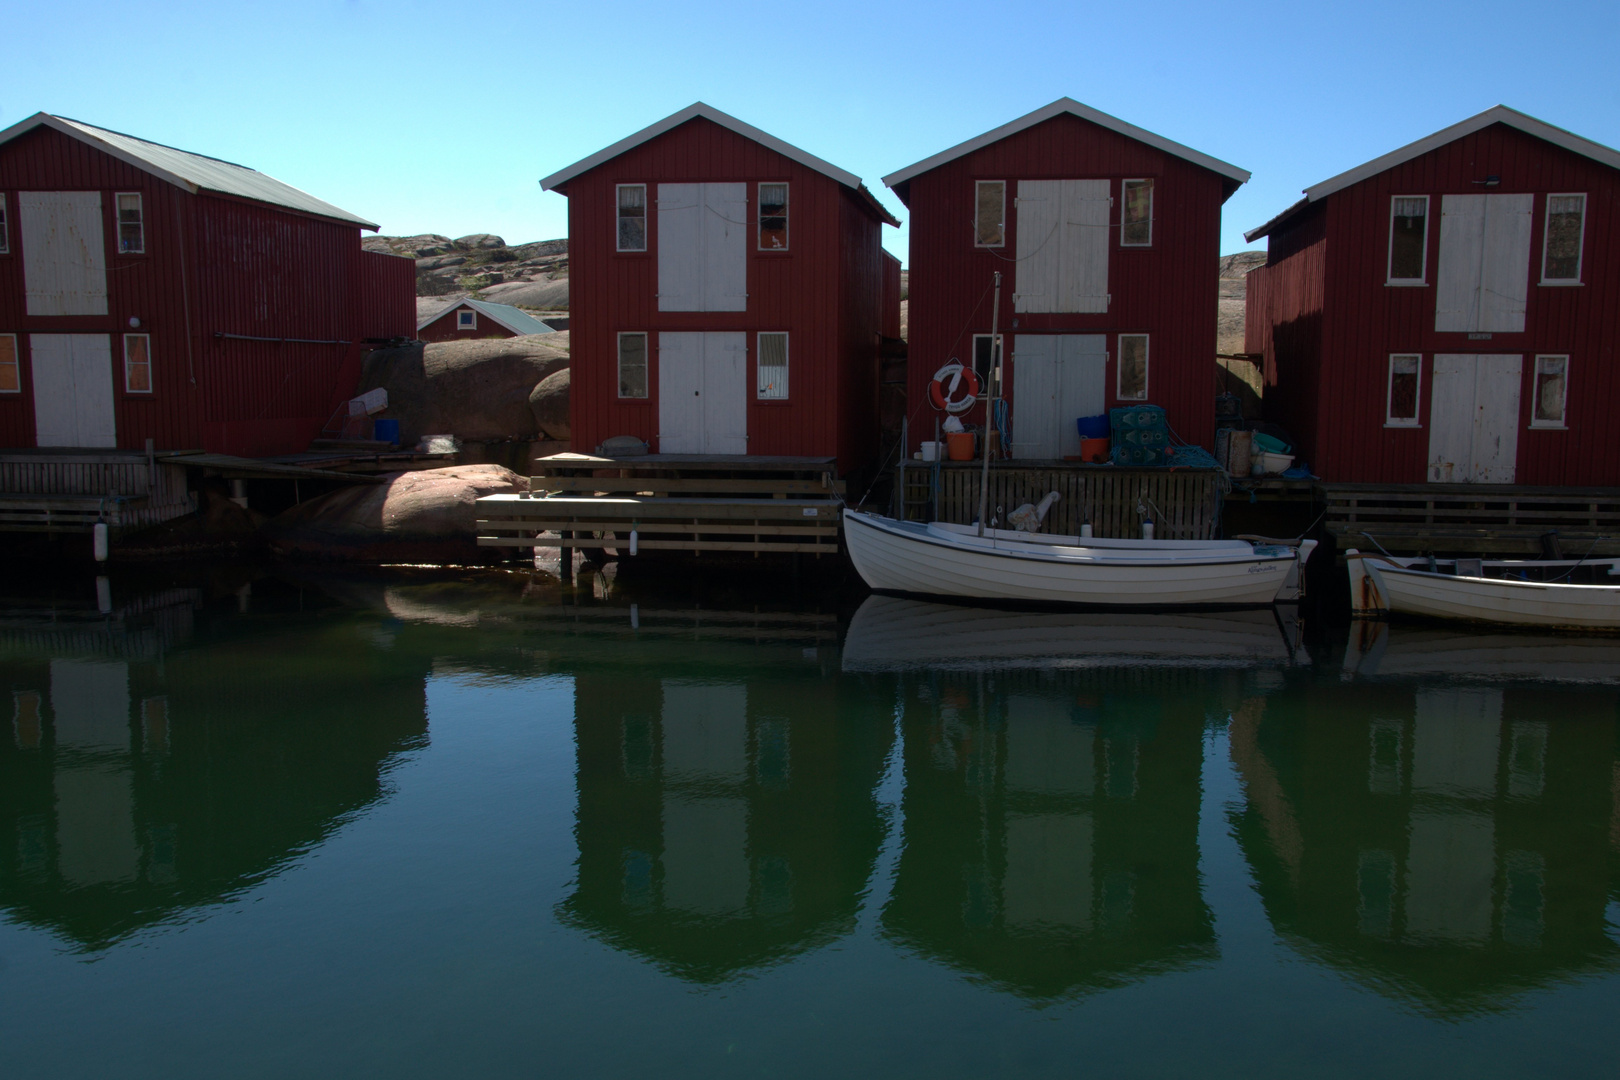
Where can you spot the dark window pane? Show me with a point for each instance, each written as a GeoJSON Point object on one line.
{"type": "Point", "coordinates": [1564, 220]}
{"type": "Point", "coordinates": [1550, 390]}
{"type": "Point", "coordinates": [1136, 224]}
{"type": "Point", "coordinates": [1407, 233]}
{"type": "Point", "coordinates": [990, 213]}
{"type": "Point", "coordinates": [773, 217]}
{"type": "Point", "coordinates": [633, 365]}
{"type": "Point", "coordinates": [1133, 361]}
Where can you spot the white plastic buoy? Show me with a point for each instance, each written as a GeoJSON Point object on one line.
{"type": "Point", "coordinates": [103, 595]}
{"type": "Point", "coordinates": [99, 540]}
{"type": "Point", "coordinates": [635, 616]}
{"type": "Point", "coordinates": [1147, 530]}
{"type": "Point", "coordinates": [633, 540]}
{"type": "Point", "coordinates": [1085, 530]}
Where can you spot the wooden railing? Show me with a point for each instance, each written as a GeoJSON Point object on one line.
{"type": "Point", "coordinates": [1473, 518]}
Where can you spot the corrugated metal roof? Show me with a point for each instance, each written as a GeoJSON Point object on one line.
{"type": "Point", "coordinates": [194, 172]}
{"type": "Point", "coordinates": [1070, 107]}
{"type": "Point", "coordinates": [730, 123]}
{"type": "Point", "coordinates": [1501, 114]}
{"type": "Point", "coordinates": [514, 319]}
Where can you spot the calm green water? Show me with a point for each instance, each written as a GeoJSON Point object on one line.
{"type": "Point", "coordinates": [399, 828]}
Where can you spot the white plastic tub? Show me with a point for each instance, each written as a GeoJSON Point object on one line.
{"type": "Point", "coordinates": [1269, 464]}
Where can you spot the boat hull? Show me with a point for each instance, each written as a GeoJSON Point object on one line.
{"type": "Point", "coordinates": [1382, 585]}
{"type": "Point", "coordinates": [903, 557]}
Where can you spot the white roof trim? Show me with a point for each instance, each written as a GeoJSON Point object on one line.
{"type": "Point", "coordinates": [731, 123]}
{"type": "Point", "coordinates": [1084, 112]}
{"type": "Point", "coordinates": [1500, 114]}
{"type": "Point", "coordinates": [211, 174]}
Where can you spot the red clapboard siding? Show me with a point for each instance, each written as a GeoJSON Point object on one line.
{"type": "Point", "coordinates": [444, 328]}
{"type": "Point", "coordinates": [825, 291]}
{"type": "Point", "coordinates": [1331, 368]}
{"type": "Point", "coordinates": [1166, 290]}
{"type": "Point", "coordinates": [213, 264]}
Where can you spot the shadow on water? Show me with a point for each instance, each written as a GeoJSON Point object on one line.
{"type": "Point", "coordinates": [1432, 814]}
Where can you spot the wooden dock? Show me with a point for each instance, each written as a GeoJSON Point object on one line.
{"type": "Point", "coordinates": [1472, 519]}
{"type": "Point", "coordinates": [671, 502]}
{"type": "Point", "coordinates": [1184, 504]}
{"type": "Point", "coordinates": [63, 491]}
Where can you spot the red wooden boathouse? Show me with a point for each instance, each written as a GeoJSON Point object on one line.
{"type": "Point", "coordinates": [1448, 312]}
{"type": "Point", "coordinates": [1107, 237]}
{"type": "Point", "coordinates": [728, 294]}
{"type": "Point", "coordinates": [147, 293]}
{"type": "Point", "coordinates": [476, 320]}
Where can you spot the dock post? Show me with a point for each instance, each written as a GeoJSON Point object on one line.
{"type": "Point", "coordinates": [565, 558]}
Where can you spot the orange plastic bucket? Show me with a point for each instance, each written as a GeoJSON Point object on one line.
{"type": "Point", "coordinates": [1094, 451]}
{"type": "Point", "coordinates": [960, 445]}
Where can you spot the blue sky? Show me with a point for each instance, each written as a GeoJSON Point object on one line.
{"type": "Point", "coordinates": [443, 117]}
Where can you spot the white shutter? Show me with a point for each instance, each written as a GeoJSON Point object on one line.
{"type": "Point", "coordinates": [73, 390]}
{"type": "Point", "coordinates": [680, 247]}
{"type": "Point", "coordinates": [1082, 390]}
{"type": "Point", "coordinates": [725, 392]}
{"type": "Point", "coordinates": [725, 247]}
{"type": "Point", "coordinates": [93, 388]}
{"type": "Point", "coordinates": [680, 393]}
{"type": "Point", "coordinates": [1083, 272]}
{"type": "Point", "coordinates": [64, 255]}
{"type": "Point", "coordinates": [1505, 268]}
{"type": "Point", "coordinates": [1035, 276]}
{"type": "Point", "coordinates": [1451, 419]}
{"type": "Point", "coordinates": [1496, 423]}
{"type": "Point", "coordinates": [1462, 245]}
{"type": "Point", "coordinates": [1033, 410]}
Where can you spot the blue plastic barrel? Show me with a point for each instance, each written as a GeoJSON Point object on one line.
{"type": "Point", "coordinates": [1094, 427]}
{"type": "Point", "coordinates": [385, 430]}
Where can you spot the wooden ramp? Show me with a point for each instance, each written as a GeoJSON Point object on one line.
{"type": "Point", "coordinates": [66, 491]}
{"type": "Point", "coordinates": [1472, 519]}
{"type": "Point", "coordinates": [671, 502]}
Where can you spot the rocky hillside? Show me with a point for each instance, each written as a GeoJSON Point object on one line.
{"type": "Point", "coordinates": [486, 267]}
{"type": "Point", "coordinates": [1234, 276]}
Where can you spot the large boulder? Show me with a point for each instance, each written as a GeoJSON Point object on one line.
{"type": "Point", "coordinates": [479, 240]}
{"type": "Point", "coordinates": [546, 294]}
{"type": "Point", "coordinates": [426, 516]}
{"type": "Point", "coordinates": [549, 403]}
{"type": "Point", "coordinates": [477, 390]}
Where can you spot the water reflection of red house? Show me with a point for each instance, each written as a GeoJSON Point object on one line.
{"type": "Point", "coordinates": [1051, 827]}
{"type": "Point", "coordinates": [724, 823]}
{"type": "Point", "coordinates": [1437, 842]}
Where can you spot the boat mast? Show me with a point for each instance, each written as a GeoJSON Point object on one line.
{"type": "Point", "coordinates": [992, 384]}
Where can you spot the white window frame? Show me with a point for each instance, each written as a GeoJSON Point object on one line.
{"type": "Point", "coordinates": [646, 365]}
{"type": "Point", "coordinates": [1416, 419]}
{"type": "Point", "coordinates": [118, 221]}
{"type": "Point", "coordinates": [5, 225]}
{"type": "Point", "coordinates": [977, 184]}
{"type": "Point", "coordinates": [1124, 202]}
{"type": "Point", "coordinates": [466, 319]}
{"type": "Point", "coordinates": [1119, 366]}
{"type": "Point", "coordinates": [646, 221]}
{"type": "Point", "coordinates": [1562, 423]}
{"type": "Point", "coordinates": [147, 338]}
{"type": "Point", "coordinates": [787, 215]}
{"type": "Point", "coordinates": [787, 366]}
{"type": "Point", "coordinates": [16, 361]}
{"type": "Point", "coordinates": [1580, 251]}
{"type": "Point", "coordinates": [1389, 254]}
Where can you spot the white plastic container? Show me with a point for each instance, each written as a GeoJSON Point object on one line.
{"type": "Point", "coordinates": [932, 451]}
{"type": "Point", "coordinates": [1269, 464]}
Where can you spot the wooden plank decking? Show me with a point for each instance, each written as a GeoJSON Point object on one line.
{"type": "Point", "coordinates": [1473, 519]}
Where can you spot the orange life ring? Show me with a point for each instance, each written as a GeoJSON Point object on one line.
{"type": "Point", "coordinates": [947, 381]}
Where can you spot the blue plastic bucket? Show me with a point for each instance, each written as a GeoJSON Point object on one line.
{"type": "Point", "coordinates": [385, 430]}
{"type": "Point", "coordinates": [1094, 427]}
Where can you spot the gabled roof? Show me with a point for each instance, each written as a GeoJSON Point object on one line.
{"type": "Point", "coordinates": [707, 112]}
{"type": "Point", "coordinates": [1071, 107]}
{"type": "Point", "coordinates": [1501, 114]}
{"type": "Point", "coordinates": [193, 172]}
{"type": "Point", "coordinates": [514, 319]}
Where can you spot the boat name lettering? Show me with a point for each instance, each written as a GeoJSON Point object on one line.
{"type": "Point", "coordinates": [1262, 568]}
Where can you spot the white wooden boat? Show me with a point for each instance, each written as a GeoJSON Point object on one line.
{"type": "Point", "coordinates": [1484, 591]}
{"type": "Point", "coordinates": [900, 633]}
{"type": "Point", "coordinates": [937, 559]}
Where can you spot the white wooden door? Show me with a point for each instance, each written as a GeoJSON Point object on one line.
{"type": "Point", "coordinates": [1039, 243]}
{"type": "Point", "coordinates": [1057, 378]}
{"type": "Point", "coordinates": [73, 390]}
{"type": "Point", "coordinates": [1083, 276]}
{"type": "Point", "coordinates": [64, 255]}
{"type": "Point", "coordinates": [1484, 277]}
{"type": "Point", "coordinates": [680, 392]}
{"type": "Point", "coordinates": [1033, 410]}
{"type": "Point", "coordinates": [680, 247]}
{"type": "Point", "coordinates": [725, 247]}
{"type": "Point", "coordinates": [702, 392]}
{"type": "Point", "coordinates": [1474, 419]}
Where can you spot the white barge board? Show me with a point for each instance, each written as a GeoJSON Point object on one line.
{"type": "Point", "coordinates": [952, 561]}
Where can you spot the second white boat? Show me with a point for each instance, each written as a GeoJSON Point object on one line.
{"type": "Point", "coordinates": [938, 559]}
